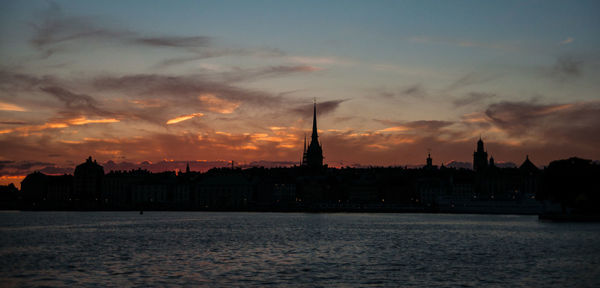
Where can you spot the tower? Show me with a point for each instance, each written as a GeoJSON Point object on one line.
{"type": "Point", "coordinates": [314, 152]}
{"type": "Point", "coordinates": [480, 157]}
{"type": "Point", "coordinates": [429, 160]}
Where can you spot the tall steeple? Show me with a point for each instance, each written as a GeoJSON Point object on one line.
{"type": "Point", "coordinates": [315, 135]}
{"type": "Point", "coordinates": [314, 152]}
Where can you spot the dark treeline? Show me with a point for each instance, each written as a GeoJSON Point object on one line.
{"type": "Point", "coordinates": [569, 185]}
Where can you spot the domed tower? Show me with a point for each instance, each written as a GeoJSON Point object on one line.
{"type": "Point", "coordinates": [480, 157]}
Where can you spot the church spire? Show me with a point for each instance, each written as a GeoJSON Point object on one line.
{"type": "Point", "coordinates": [315, 135]}
{"type": "Point", "coordinates": [314, 151]}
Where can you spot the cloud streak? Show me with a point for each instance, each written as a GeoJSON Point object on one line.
{"type": "Point", "coordinates": [470, 79]}
{"type": "Point", "coordinates": [183, 118]}
{"type": "Point", "coordinates": [323, 108]}
{"type": "Point", "coordinates": [11, 107]}
{"type": "Point", "coordinates": [472, 98]}
{"type": "Point", "coordinates": [56, 32]}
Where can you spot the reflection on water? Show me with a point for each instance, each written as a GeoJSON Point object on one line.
{"type": "Point", "coordinates": [272, 249]}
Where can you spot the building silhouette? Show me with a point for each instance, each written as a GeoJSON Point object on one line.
{"type": "Point", "coordinates": [88, 181]}
{"type": "Point", "coordinates": [313, 155]}
{"type": "Point", "coordinates": [570, 184]}
{"type": "Point", "coordinates": [480, 157]}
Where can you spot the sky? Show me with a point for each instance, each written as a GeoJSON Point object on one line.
{"type": "Point", "coordinates": [158, 84]}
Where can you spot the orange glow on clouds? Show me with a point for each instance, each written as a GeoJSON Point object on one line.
{"type": "Point", "coordinates": [26, 130]}
{"type": "Point", "coordinates": [183, 118]}
{"type": "Point", "coordinates": [216, 104]}
{"type": "Point", "coordinates": [11, 107]}
{"type": "Point", "coordinates": [83, 121]}
{"type": "Point", "coordinates": [551, 109]}
{"type": "Point", "coordinates": [395, 129]}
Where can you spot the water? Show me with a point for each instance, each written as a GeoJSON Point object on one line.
{"type": "Point", "coordinates": [122, 249]}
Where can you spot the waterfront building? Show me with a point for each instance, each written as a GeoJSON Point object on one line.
{"type": "Point", "coordinates": [87, 181]}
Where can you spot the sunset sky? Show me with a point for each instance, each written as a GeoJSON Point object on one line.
{"type": "Point", "coordinates": [166, 82]}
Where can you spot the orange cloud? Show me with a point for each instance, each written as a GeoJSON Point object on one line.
{"type": "Point", "coordinates": [57, 125]}
{"type": "Point", "coordinates": [395, 129]}
{"type": "Point", "coordinates": [11, 107]}
{"type": "Point", "coordinates": [83, 121]}
{"type": "Point", "coordinates": [216, 104]}
{"type": "Point", "coordinates": [183, 118]}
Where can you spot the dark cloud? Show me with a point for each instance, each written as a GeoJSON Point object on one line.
{"type": "Point", "coordinates": [77, 105]}
{"type": "Point", "coordinates": [23, 165]}
{"type": "Point", "coordinates": [13, 122]}
{"type": "Point", "coordinates": [388, 122]}
{"type": "Point", "coordinates": [70, 99]}
{"type": "Point", "coordinates": [54, 28]}
{"type": "Point", "coordinates": [271, 71]}
{"type": "Point", "coordinates": [424, 125]}
{"type": "Point", "coordinates": [428, 124]}
{"type": "Point", "coordinates": [573, 124]}
{"type": "Point", "coordinates": [52, 170]}
{"type": "Point", "coordinates": [183, 90]}
{"type": "Point", "coordinates": [518, 117]}
{"type": "Point", "coordinates": [57, 32]}
{"type": "Point", "coordinates": [386, 94]}
{"type": "Point", "coordinates": [213, 52]}
{"type": "Point", "coordinates": [323, 108]}
{"type": "Point", "coordinates": [344, 118]}
{"type": "Point", "coordinates": [4, 163]}
{"type": "Point", "coordinates": [176, 41]}
{"type": "Point", "coordinates": [11, 82]}
{"type": "Point", "coordinates": [16, 168]}
{"type": "Point", "coordinates": [415, 90]}
{"type": "Point", "coordinates": [567, 67]}
{"type": "Point", "coordinates": [470, 80]}
{"type": "Point", "coordinates": [472, 98]}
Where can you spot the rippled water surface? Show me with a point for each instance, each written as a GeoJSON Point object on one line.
{"type": "Point", "coordinates": [270, 249]}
